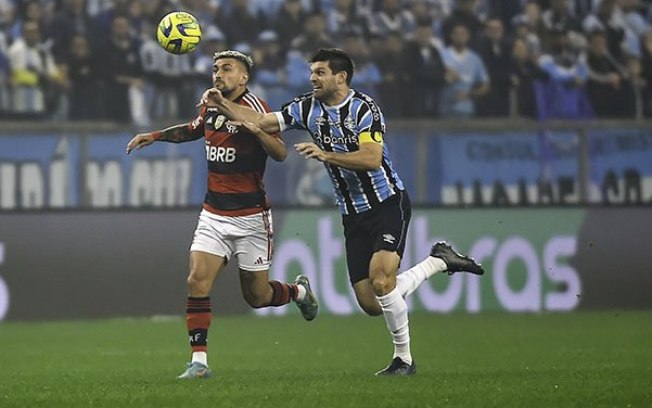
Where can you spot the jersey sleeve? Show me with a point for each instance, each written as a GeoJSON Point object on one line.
{"type": "Point", "coordinates": [196, 126]}
{"type": "Point", "coordinates": [254, 102]}
{"type": "Point", "coordinates": [370, 118]}
{"type": "Point", "coordinates": [291, 115]}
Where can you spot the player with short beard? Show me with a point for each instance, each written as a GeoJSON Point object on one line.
{"type": "Point", "coordinates": [235, 205]}
{"type": "Point", "coordinates": [370, 195]}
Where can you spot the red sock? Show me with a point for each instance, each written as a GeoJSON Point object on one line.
{"type": "Point", "coordinates": [198, 319]}
{"type": "Point", "coordinates": [282, 293]}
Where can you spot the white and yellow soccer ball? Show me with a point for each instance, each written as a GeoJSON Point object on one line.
{"type": "Point", "coordinates": [178, 32]}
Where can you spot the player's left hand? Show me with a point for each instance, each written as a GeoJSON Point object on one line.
{"type": "Point", "coordinates": [310, 151]}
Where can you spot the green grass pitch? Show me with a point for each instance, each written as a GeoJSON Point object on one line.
{"type": "Point", "coordinates": [487, 360]}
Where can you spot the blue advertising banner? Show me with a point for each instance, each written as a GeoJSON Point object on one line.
{"type": "Point", "coordinates": [54, 171]}
{"type": "Point", "coordinates": [621, 166]}
{"type": "Point", "coordinates": [497, 169]}
{"type": "Point", "coordinates": [509, 168]}
{"type": "Point", "coordinates": [38, 171]}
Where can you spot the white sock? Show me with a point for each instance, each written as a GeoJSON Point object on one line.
{"type": "Point", "coordinates": [200, 357]}
{"type": "Point", "coordinates": [301, 293]}
{"type": "Point", "coordinates": [408, 281]}
{"type": "Point", "coordinates": [395, 311]}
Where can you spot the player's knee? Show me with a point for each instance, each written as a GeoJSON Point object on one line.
{"type": "Point", "coordinates": [198, 286]}
{"type": "Point", "coordinates": [382, 284]}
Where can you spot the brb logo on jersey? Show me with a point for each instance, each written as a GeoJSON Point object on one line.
{"type": "Point", "coordinates": [220, 154]}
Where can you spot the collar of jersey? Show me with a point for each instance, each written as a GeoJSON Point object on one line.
{"type": "Point", "coordinates": [339, 105]}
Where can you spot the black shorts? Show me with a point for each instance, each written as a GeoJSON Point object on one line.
{"type": "Point", "coordinates": [381, 228]}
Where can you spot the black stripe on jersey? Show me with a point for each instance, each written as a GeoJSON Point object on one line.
{"type": "Point", "coordinates": [245, 163]}
{"type": "Point", "coordinates": [390, 176]}
{"type": "Point", "coordinates": [325, 130]}
{"type": "Point", "coordinates": [235, 201]}
{"type": "Point", "coordinates": [376, 123]}
{"type": "Point", "coordinates": [306, 106]}
{"type": "Point", "coordinates": [365, 180]}
{"type": "Point", "coordinates": [362, 110]}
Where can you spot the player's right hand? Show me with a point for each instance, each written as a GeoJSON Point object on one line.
{"type": "Point", "coordinates": [210, 97]}
{"type": "Point", "coordinates": [139, 141]}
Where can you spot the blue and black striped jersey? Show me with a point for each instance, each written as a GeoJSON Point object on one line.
{"type": "Point", "coordinates": [336, 129]}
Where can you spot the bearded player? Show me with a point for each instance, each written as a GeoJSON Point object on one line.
{"type": "Point", "coordinates": [236, 218]}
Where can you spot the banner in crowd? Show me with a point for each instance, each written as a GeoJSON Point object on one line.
{"type": "Point", "coordinates": [544, 168]}
{"type": "Point", "coordinates": [41, 171]}
{"type": "Point", "coordinates": [621, 166]}
{"type": "Point", "coordinates": [502, 169]}
{"type": "Point", "coordinates": [134, 263]}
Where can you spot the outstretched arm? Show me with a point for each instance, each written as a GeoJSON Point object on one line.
{"type": "Point", "coordinates": [368, 158]}
{"type": "Point", "coordinates": [213, 98]}
{"type": "Point", "coordinates": [174, 134]}
{"type": "Point", "coordinates": [274, 146]}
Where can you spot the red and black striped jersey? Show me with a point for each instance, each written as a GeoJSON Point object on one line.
{"type": "Point", "coordinates": [236, 161]}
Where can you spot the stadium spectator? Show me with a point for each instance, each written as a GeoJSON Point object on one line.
{"type": "Point", "coordinates": [236, 217]}
{"type": "Point", "coordinates": [168, 94]}
{"type": "Point", "coordinates": [238, 23]}
{"type": "Point", "coordinates": [523, 74]}
{"type": "Point", "coordinates": [289, 22]}
{"type": "Point", "coordinates": [466, 78]}
{"type": "Point", "coordinates": [375, 217]}
{"type": "Point", "coordinates": [495, 51]}
{"type": "Point", "coordinates": [505, 10]}
{"type": "Point", "coordinates": [426, 71]}
{"type": "Point", "coordinates": [122, 75]}
{"type": "Point", "coordinates": [271, 63]}
{"type": "Point", "coordinates": [646, 72]}
{"type": "Point", "coordinates": [35, 77]}
{"type": "Point", "coordinates": [103, 21]}
{"type": "Point", "coordinates": [608, 87]}
{"type": "Point", "coordinates": [523, 32]}
{"type": "Point", "coordinates": [5, 77]}
{"type": "Point", "coordinates": [634, 69]}
{"type": "Point", "coordinates": [529, 27]}
{"type": "Point", "coordinates": [392, 18]}
{"type": "Point", "coordinates": [343, 19]}
{"type": "Point", "coordinates": [426, 11]}
{"type": "Point", "coordinates": [268, 9]}
{"type": "Point", "coordinates": [71, 20]}
{"type": "Point", "coordinates": [563, 95]}
{"type": "Point", "coordinates": [620, 39]}
{"type": "Point", "coordinates": [463, 14]}
{"type": "Point", "coordinates": [30, 10]}
{"type": "Point", "coordinates": [560, 19]}
{"type": "Point", "coordinates": [367, 74]}
{"type": "Point", "coordinates": [313, 35]}
{"type": "Point", "coordinates": [82, 72]}
{"type": "Point", "coordinates": [633, 14]}
{"type": "Point", "coordinates": [393, 67]}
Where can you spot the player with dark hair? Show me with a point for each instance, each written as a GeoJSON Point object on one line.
{"type": "Point", "coordinates": [347, 129]}
{"type": "Point", "coordinates": [236, 219]}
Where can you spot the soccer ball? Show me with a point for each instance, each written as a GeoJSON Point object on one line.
{"type": "Point", "coordinates": [178, 32]}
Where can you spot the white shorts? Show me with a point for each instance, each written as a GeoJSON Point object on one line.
{"type": "Point", "coordinates": [248, 238]}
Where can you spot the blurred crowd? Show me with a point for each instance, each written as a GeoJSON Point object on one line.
{"type": "Point", "coordinates": [99, 60]}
